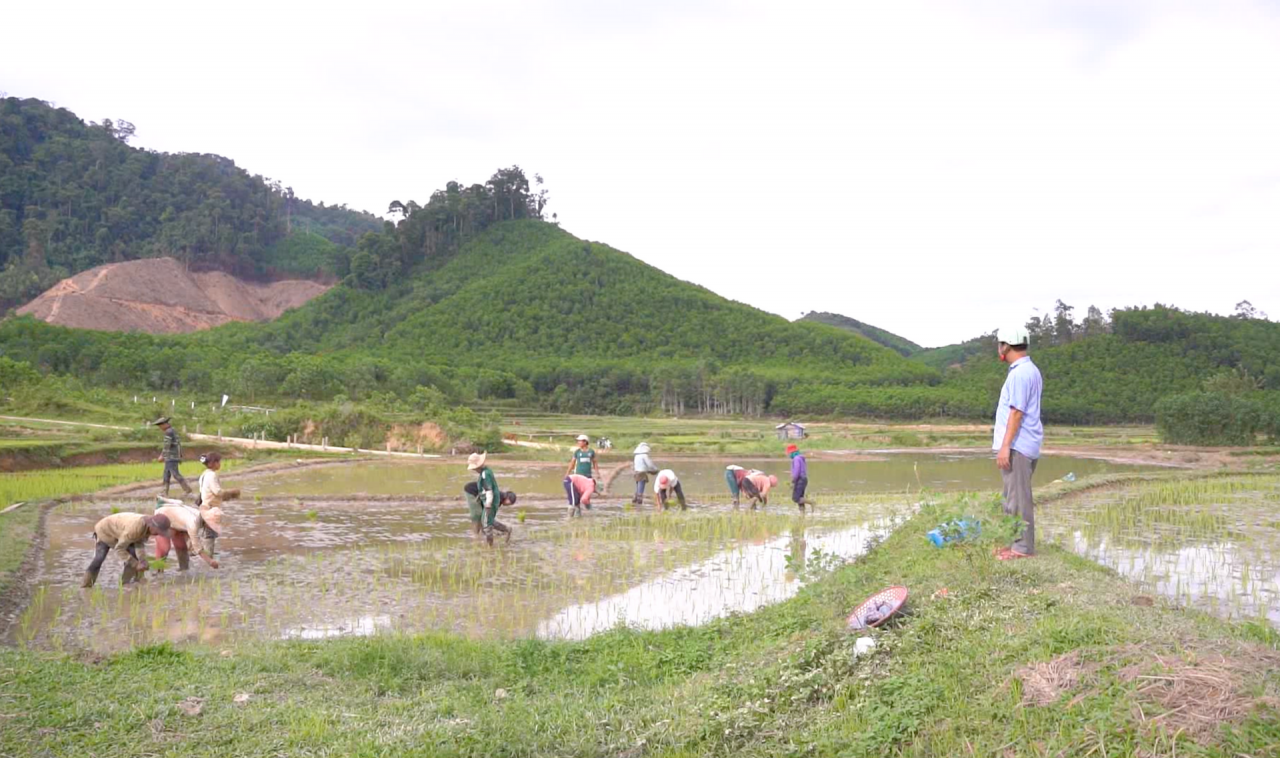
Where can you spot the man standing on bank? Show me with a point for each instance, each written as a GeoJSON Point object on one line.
{"type": "Point", "coordinates": [171, 456]}
{"type": "Point", "coordinates": [1018, 435]}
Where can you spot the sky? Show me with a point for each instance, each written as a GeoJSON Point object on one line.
{"type": "Point", "coordinates": [937, 169]}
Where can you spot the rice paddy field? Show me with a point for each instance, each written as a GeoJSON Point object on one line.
{"type": "Point", "coordinates": [355, 615]}
{"type": "Point", "coordinates": [1209, 543]}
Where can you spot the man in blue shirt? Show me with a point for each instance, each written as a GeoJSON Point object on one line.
{"type": "Point", "coordinates": [1018, 435]}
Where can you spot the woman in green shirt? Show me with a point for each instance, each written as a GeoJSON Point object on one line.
{"type": "Point", "coordinates": [583, 462]}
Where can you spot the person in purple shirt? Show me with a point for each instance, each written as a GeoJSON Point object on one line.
{"type": "Point", "coordinates": [799, 477]}
{"type": "Point", "coordinates": [1017, 435]}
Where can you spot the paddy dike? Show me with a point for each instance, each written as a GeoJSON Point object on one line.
{"type": "Point", "coordinates": [162, 296]}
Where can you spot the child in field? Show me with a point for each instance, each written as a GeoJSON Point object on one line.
{"type": "Point", "coordinates": [580, 490]}
{"type": "Point", "coordinates": [665, 486]}
{"type": "Point", "coordinates": [212, 495]}
{"type": "Point", "coordinates": [484, 498]}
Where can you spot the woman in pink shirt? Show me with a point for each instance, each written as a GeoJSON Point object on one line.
{"type": "Point", "coordinates": [763, 483]}
{"type": "Point", "coordinates": [580, 490]}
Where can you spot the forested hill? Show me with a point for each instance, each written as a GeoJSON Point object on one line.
{"type": "Point", "coordinates": [74, 195]}
{"type": "Point", "coordinates": [890, 340]}
{"type": "Point", "coordinates": [521, 312]}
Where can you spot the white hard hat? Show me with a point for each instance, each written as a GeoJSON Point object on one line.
{"type": "Point", "coordinates": [1014, 335]}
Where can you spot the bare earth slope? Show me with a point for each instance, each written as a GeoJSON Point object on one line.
{"type": "Point", "coordinates": [160, 296]}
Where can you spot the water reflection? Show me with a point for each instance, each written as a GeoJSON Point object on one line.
{"type": "Point", "coordinates": [738, 580]}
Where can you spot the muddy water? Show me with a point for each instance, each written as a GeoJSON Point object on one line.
{"type": "Point", "coordinates": [307, 571]}
{"type": "Point", "coordinates": [740, 579]}
{"type": "Point", "coordinates": [1221, 554]}
{"type": "Point", "coordinates": [892, 473]}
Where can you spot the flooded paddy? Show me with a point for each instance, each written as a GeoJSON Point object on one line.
{"type": "Point", "coordinates": [296, 570]}
{"type": "Point", "coordinates": [699, 476]}
{"type": "Point", "coordinates": [365, 547]}
{"type": "Point", "coordinates": [1210, 543]}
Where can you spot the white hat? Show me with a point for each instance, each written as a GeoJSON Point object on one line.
{"type": "Point", "coordinates": [583, 438]}
{"type": "Point", "coordinates": [1014, 335]}
{"type": "Point", "coordinates": [476, 461]}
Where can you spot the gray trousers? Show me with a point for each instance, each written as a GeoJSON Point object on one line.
{"type": "Point", "coordinates": [171, 472]}
{"type": "Point", "coordinates": [1018, 500]}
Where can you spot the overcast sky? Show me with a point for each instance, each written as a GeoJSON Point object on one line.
{"type": "Point", "coordinates": [933, 168]}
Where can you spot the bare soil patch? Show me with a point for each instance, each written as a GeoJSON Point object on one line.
{"type": "Point", "coordinates": [160, 296]}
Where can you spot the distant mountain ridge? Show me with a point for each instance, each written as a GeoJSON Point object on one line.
{"type": "Point", "coordinates": [901, 345]}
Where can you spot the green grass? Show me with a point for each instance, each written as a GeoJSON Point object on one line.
{"type": "Point", "coordinates": [782, 681]}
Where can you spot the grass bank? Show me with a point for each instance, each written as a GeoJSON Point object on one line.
{"type": "Point", "coordinates": [1046, 657]}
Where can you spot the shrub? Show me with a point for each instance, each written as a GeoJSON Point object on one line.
{"type": "Point", "coordinates": [1209, 418]}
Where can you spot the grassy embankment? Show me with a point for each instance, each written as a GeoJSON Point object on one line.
{"type": "Point", "coordinates": [1043, 657]}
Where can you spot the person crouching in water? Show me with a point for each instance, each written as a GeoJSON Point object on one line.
{"type": "Point", "coordinates": [799, 476]}
{"type": "Point", "coordinates": [124, 533]}
{"type": "Point", "coordinates": [188, 530]}
{"type": "Point", "coordinates": [757, 485]}
{"type": "Point", "coordinates": [643, 467]}
{"type": "Point", "coordinates": [664, 487]}
{"type": "Point", "coordinates": [734, 476]}
{"type": "Point", "coordinates": [486, 498]}
{"type": "Point", "coordinates": [580, 490]}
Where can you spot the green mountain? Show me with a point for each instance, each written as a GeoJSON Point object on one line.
{"type": "Point", "coordinates": [890, 340]}
{"type": "Point", "coordinates": [948, 356]}
{"type": "Point", "coordinates": [521, 312]}
{"type": "Point", "coordinates": [76, 195]}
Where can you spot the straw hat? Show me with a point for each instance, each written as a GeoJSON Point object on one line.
{"type": "Point", "coordinates": [475, 461]}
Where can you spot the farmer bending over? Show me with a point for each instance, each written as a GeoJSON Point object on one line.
{"type": "Point", "coordinates": [757, 485]}
{"type": "Point", "coordinates": [664, 487]}
{"type": "Point", "coordinates": [125, 533]}
{"type": "Point", "coordinates": [487, 498]}
{"type": "Point", "coordinates": [188, 529]}
{"type": "Point", "coordinates": [733, 476]}
{"type": "Point", "coordinates": [580, 490]}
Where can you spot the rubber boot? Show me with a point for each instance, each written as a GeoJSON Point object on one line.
{"type": "Point", "coordinates": [89, 578]}
{"type": "Point", "coordinates": [184, 559]}
{"type": "Point", "coordinates": [129, 575]}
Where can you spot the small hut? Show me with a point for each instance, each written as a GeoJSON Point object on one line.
{"type": "Point", "coordinates": [791, 430]}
